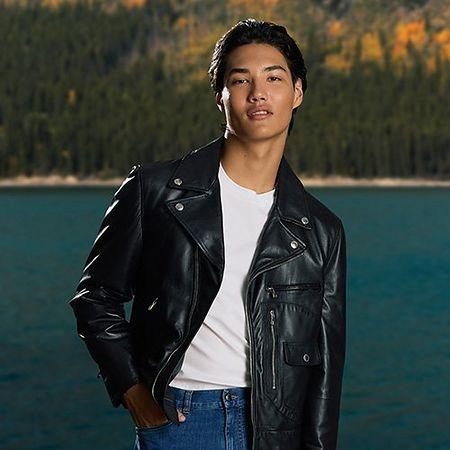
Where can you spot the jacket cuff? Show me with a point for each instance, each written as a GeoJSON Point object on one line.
{"type": "Point", "coordinates": [116, 392]}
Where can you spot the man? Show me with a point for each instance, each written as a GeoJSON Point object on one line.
{"type": "Point", "coordinates": [237, 274]}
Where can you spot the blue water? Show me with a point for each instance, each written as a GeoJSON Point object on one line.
{"type": "Point", "coordinates": [396, 386]}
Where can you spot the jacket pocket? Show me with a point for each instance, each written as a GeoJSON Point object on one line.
{"type": "Point", "coordinates": [290, 354]}
{"type": "Point", "coordinates": [300, 362]}
{"type": "Point", "coordinates": [307, 295]}
{"type": "Point", "coordinates": [298, 354]}
{"type": "Point", "coordinates": [274, 289]}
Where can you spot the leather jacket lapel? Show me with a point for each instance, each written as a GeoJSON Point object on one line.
{"type": "Point", "coordinates": [198, 209]}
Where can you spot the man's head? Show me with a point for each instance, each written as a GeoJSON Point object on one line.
{"type": "Point", "coordinates": [255, 47]}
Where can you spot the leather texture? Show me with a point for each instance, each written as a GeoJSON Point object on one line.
{"type": "Point", "coordinates": [160, 245]}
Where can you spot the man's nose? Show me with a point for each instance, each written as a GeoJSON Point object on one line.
{"type": "Point", "coordinates": [257, 92]}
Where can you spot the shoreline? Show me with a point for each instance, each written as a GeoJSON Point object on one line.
{"type": "Point", "coordinates": [318, 181]}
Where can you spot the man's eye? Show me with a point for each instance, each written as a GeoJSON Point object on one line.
{"type": "Point", "coordinates": [238, 81]}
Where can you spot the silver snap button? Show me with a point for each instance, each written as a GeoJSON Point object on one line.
{"type": "Point", "coordinates": [179, 206]}
{"type": "Point", "coordinates": [178, 181]}
{"type": "Point", "coordinates": [306, 357]}
{"type": "Point", "coordinates": [304, 220]}
{"type": "Point", "coordinates": [294, 244]}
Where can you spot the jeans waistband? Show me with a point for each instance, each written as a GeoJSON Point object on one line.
{"type": "Point", "coordinates": [187, 400]}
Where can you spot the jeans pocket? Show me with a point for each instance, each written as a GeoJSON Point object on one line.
{"type": "Point", "coordinates": [153, 428]}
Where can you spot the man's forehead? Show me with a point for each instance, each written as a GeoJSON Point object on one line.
{"type": "Point", "coordinates": [255, 57]}
{"type": "Point", "coordinates": [245, 69]}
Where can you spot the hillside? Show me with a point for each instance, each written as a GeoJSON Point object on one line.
{"type": "Point", "coordinates": [92, 87]}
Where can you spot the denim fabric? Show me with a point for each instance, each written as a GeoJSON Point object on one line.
{"type": "Point", "coordinates": [216, 419]}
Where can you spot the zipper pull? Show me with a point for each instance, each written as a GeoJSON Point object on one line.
{"type": "Point", "coordinates": [272, 317]}
{"type": "Point", "coordinates": [272, 292]}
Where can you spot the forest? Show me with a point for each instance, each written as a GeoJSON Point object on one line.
{"type": "Point", "coordinates": [93, 87]}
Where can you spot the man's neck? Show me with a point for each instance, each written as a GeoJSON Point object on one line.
{"type": "Point", "coordinates": [252, 164]}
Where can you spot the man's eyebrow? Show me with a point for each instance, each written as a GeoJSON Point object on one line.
{"type": "Point", "coordinates": [245, 70]}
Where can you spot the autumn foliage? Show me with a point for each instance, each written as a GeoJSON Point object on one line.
{"type": "Point", "coordinates": [94, 86]}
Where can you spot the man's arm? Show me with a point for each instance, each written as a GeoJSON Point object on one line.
{"type": "Point", "coordinates": [107, 282]}
{"type": "Point", "coordinates": [321, 413]}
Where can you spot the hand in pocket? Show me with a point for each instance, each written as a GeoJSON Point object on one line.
{"type": "Point", "coordinates": [144, 409]}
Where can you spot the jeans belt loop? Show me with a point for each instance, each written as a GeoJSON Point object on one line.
{"type": "Point", "coordinates": [187, 401]}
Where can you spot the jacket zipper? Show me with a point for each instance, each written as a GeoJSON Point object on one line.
{"type": "Point", "coordinates": [194, 302]}
{"type": "Point", "coordinates": [291, 287]}
{"type": "Point", "coordinates": [250, 330]}
{"type": "Point", "coordinates": [272, 329]}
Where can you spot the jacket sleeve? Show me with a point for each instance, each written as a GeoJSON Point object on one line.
{"type": "Point", "coordinates": [107, 282]}
{"type": "Point", "coordinates": [321, 413]}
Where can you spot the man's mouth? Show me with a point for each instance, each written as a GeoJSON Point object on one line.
{"type": "Point", "coordinates": [259, 112]}
{"type": "Point", "coordinates": [259, 115]}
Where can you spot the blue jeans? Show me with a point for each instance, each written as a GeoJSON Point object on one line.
{"type": "Point", "coordinates": [216, 419]}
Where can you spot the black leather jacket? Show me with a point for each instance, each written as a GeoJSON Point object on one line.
{"type": "Point", "coordinates": [160, 244]}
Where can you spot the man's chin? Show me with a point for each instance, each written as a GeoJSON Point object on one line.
{"type": "Point", "coordinates": [256, 132]}
{"type": "Point", "coordinates": [261, 134]}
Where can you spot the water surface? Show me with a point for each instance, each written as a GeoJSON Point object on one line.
{"type": "Point", "coordinates": [396, 388]}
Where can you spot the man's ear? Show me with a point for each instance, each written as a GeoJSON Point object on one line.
{"type": "Point", "coordinates": [219, 102]}
{"type": "Point", "coordinates": [298, 96]}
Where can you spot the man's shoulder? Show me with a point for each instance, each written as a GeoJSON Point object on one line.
{"type": "Point", "coordinates": [324, 218]}
{"type": "Point", "coordinates": [158, 171]}
{"type": "Point", "coordinates": [157, 174]}
{"type": "Point", "coordinates": [154, 179]}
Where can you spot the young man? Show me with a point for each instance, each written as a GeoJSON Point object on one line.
{"type": "Point", "coordinates": [237, 274]}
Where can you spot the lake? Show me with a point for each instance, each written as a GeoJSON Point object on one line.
{"type": "Point", "coordinates": [396, 382]}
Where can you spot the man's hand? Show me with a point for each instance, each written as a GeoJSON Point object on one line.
{"type": "Point", "coordinates": [143, 407]}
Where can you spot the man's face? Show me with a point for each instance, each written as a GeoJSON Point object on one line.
{"type": "Point", "coordinates": [257, 83]}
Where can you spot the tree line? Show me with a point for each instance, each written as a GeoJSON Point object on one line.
{"type": "Point", "coordinates": [87, 91]}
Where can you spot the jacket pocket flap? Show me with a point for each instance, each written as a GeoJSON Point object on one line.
{"type": "Point", "coordinates": [301, 354]}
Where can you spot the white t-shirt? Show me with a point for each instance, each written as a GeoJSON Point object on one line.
{"type": "Point", "coordinates": [218, 356]}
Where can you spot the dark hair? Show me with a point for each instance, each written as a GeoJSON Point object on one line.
{"type": "Point", "coordinates": [249, 31]}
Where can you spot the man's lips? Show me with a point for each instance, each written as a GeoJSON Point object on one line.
{"type": "Point", "coordinates": [259, 112]}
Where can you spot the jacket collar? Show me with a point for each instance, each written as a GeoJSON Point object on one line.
{"type": "Point", "coordinates": [198, 209]}
{"type": "Point", "coordinates": [198, 171]}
